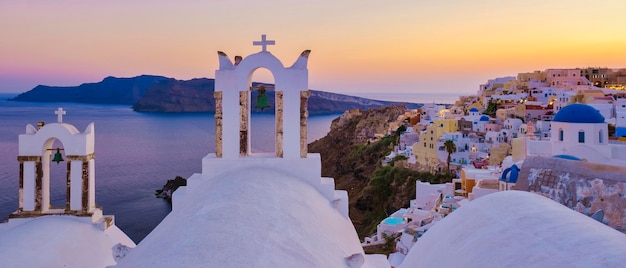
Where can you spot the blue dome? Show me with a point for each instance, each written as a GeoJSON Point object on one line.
{"type": "Point", "coordinates": [568, 157]}
{"type": "Point", "coordinates": [474, 110]}
{"type": "Point", "coordinates": [484, 118]}
{"type": "Point", "coordinates": [512, 177]}
{"type": "Point", "coordinates": [578, 113]}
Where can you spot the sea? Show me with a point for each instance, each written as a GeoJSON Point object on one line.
{"type": "Point", "coordinates": [136, 153]}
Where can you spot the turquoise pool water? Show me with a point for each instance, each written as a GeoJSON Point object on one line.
{"type": "Point", "coordinates": [393, 221]}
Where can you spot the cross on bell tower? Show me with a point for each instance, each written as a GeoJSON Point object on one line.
{"type": "Point", "coordinates": [263, 43]}
{"type": "Point", "coordinates": [59, 112]}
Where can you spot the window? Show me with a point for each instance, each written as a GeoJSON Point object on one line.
{"type": "Point", "coordinates": [560, 134]}
{"type": "Point", "coordinates": [581, 136]}
{"type": "Point", "coordinates": [600, 138]}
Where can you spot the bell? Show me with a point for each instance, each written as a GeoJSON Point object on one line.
{"type": "Point", "coordinates": [57, 157]}
{"type": "Point", "coordinates": [261, 99]}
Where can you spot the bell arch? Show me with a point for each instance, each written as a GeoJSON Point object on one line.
{"type": "Point", "coordinates": [36, 149]}
{"type": "Point", "coordinates": [249, 99]}
{"type": "Point", "coordinates": [55, 169]}
{"type": "Point", "coordinates": [232, 115]}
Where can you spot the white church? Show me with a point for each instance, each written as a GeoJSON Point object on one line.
{"type": "Point", "coordinates": [76, 235]}
{"type": "Point", "coordinates": [273, 209]}
{"type": "Point", "coordinates": [577, 132]}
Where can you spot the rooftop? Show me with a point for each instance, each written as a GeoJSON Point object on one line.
{"type": "Point", "coordinates": [578, 113]}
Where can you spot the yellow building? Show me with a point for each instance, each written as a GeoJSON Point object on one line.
{"type": "Point", "coordinates": [524, 78]}
{"type": "Point", "coordinates": [504, 114]}
{"type": "Point", "coordinates": [509, 87]}
{"type": "Point", "coordinates": [425, 150]}
{"type": "Point", "coordinates": [589, 96]}
{"type": "Point", "coordinates": [478, 105]}
{"type": "Point", "coordinates": [498, 153]}
{"type": "Point", "coordinates": [445, 125]}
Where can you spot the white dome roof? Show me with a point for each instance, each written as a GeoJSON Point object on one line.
{"type": "Point", "coordinates": [518, 229]}
{"type": "Point", "coordinates": [249, 218]}
{"type": "Point", "coordinates": [58, 241]}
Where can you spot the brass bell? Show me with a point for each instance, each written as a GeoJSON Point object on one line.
{"type": "Point", "coordinates": [57, 157]}
{"type": "Point", "coordinates": [261, 99]}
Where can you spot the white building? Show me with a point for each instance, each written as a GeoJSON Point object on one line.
{"type": "Point", "coordinates": [251, 209]}
{"type": "Point", "coordinates": [517, 229]}
{"type": "Point", "coordinates": [76, 235]}
{"type": "Point", "coordinates": [512, 125]}
{"type": "Point", "coordinates": [579, 131]}
{"type": "Point", "coordinates": [620, 118]}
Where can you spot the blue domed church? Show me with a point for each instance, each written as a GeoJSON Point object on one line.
{"type": "Point", "coordinates": [579, 130]}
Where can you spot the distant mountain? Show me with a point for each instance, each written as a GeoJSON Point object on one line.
{"type": "Point", "coordinates": [111, 90]}
{"type": "Point", "coordinates": [161, 94]}
{"type": "Point", "coordinates": [175, 96]}
{"type": "Point", "coordinates": [322, 102]}
{"type": "Point", "coordinates": [196, 95]}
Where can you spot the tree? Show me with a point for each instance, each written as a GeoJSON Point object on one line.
{"type": "Point", "coordinates": [492, 107]}
{"type": "Point", "coordinates": [450, 148]}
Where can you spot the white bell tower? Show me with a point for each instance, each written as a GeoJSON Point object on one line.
{"type": "Point", "coordinates": [232, 97]}
{"type": "Point", "coordinates": [232, 119]}
{"type": "Point", "coordinates": [35, 154]}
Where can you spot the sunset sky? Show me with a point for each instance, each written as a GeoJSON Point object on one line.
{"type": "Point", "coordinates": [357, 46]}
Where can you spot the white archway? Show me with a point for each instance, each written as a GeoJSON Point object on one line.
{"type": "Point", "coordinates": [233, 98]}
{"type": "Point", "coordinates": [260, 136]}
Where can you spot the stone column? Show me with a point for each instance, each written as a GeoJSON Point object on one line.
{"type": "Point", "coordinates": [304, 114]}
{"type": "Point", "coordinates": [38, 186]}
{"type": "Point", "coordinates": [20, 206]}
{"type": "Point", "coordinates": [78, 184]}
{"type": "Point", "coordinates": [36, 163]}
{"type": "Point", "coordinates": [218, 123]}
{"type": "Point", "coordinates": [85, 190]}
{"type": "Point", "coordinates": [68, 186]}
{"type": "Point", "coordinates": [243, 123]}
{"type": "Point", "coordinates": [279, 123]}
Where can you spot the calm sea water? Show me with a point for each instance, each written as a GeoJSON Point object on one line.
{"type": "Point", "coordinates": [136, 153]}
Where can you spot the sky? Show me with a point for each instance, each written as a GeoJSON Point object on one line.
{"type": "Point", "coordinates": [409, 46]}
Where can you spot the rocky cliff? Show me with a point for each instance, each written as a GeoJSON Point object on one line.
{"type": "Point", "coordinates": [173, 95]}
{"type": "Point", "coordinates": [197, 96]}
{"type": "Point", "coordinates": [374, 191]}
{"type": "Point", "coordinates": [111, 90]}
{"type": "Point", "coordinates": [161, 94]}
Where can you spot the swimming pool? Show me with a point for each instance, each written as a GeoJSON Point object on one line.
{"type": "Point", "coordinates": [393, 221]}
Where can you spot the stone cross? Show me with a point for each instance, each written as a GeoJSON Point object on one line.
{"type": "Point", "coordinates": [263, 43]}
{"type": "Point", "coordinates": [59, 112]}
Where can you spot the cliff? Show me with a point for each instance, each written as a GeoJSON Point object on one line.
{"type": "Point", "coordinates": [374, 191]}
{"type": "Point", "coordinates": [197, 96]}
{"type": "Point", "coordinates": [111, 90]}
{"type": "Point", "coordinates": [173, 95]}
{"type": "Point", "coordinates": [161, 94]}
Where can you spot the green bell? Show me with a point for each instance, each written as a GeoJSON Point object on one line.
{"type": "Point", "coordinates": [57, 157]}
{"type": "Point", "coordinates": [261, 99]}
